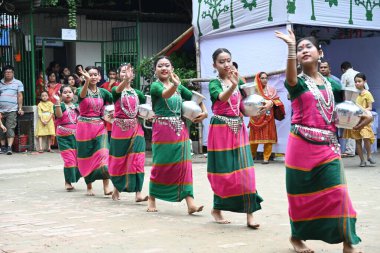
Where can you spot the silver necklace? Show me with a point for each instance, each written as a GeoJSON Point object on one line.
{"type": "Point", "coordinates": [178, 104]}
{"type": "Point", "coordinates": [235, 108]}
{"type": "Point", "coordinates": [325, 107]}
{"type": "Point", "coordinates": [71, 113]}
{"type": "Point", "coordinates": [131, 113]}
{"type": "Point", "coordinates": [92, 95]}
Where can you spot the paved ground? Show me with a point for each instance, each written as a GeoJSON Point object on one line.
{"type": "Point", "coordinates": [37, 215]}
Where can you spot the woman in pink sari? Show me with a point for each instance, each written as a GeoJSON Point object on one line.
{"type": "Point", "coordinates": [53, 88]}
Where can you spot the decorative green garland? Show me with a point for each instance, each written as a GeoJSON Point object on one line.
{"type": "Point", "coordinates": [247, 5]}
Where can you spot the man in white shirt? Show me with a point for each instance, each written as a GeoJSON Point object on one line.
{"type": "Point", "coordinates": [348, 76]}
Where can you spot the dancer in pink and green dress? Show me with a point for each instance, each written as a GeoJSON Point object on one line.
{"type": "Point", "coordinates": [319, 205]}
{"type": "Point", "coordinates": [127, 146]}
{"type": "Point", "coordinates": [66, 114]}
{"type": "Point", "coordinates": [91, 134]}
{"type": "Point", "coordinates": [171, 176]}
{"type": "Point", "coordinates": [230, 168]}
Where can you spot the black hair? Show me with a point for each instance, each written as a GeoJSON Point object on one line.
{"type": "Point", "coordinates": [361, 75]}
{"type": "Point", "coordinates": [49, 73]}
{"type": "Point", "coordinates": [67, 80]}
{"type": "Point", "coordinates": [313, 41]}
{"type": "Point", "coordinates": [262, 72]}
{"type": "Point", "coordinates": [160, 58]}
{"type": "Point", "coordinates": [77, 67]}
{"type": "Point", "coordinates": [324, 61]}
{"type": "Point", "coordinates": [218, 52]}
{"type": "Point", "coordinates": [346, 65]}
{"type": "Point", "coordinates": [44, 91]}
{"type": "Point", "coordinates": [8, 67]}
{"type": "Point", "coordinates": [88, 68]}
{"type": "Point", "coordinates": [65, 86]}
{"type": "Point", "coordinates": [111, 70]}
{"type": "Point", "coordinates": [235, 65]}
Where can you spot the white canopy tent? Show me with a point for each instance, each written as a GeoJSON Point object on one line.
{"type": "Point", "coordinates": [246, 28]}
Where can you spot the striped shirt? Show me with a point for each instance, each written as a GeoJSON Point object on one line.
{"type": "Point", "coordinates": [9, 95]}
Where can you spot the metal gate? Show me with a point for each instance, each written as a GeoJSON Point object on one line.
{"type": "Point", "coordinates": [124, 48]}
{"type": "Point", "coordinates": [15, 50]}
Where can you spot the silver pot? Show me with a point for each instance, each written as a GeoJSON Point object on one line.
{"type": "Point", "coordinates": [145, 110]}
{"type": "Point", "coordinates": [347, 114]}
{"type": "Point", "coordinates": [191, 109]}
{"type": "Point", "coordinates": [252, 102]}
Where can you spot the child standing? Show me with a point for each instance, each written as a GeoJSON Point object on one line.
{"type": "Point", "coordinates": [364, 134]}
{"type": "Point", "coordinates": [45, 125]}
{"type": "Point", "coordinates": [67, 114]}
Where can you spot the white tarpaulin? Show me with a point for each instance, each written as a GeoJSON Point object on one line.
{"type": "Point", "coordinates": [254, 51]}
{"type": "Point", "coordinates": [224, 16]}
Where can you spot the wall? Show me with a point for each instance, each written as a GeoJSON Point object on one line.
{"type": "Point", "coordinates": [153, 36]}
{"type": "Point", "coordinates": [363, 54]}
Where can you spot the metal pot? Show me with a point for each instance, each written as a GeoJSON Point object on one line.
{"type": "Point", "coordinates": [145, 110]}
{"type": "Point", "coordinates": [348, 113]}
{"type": "Point", "coordinates": [252, 102]}
{"type": "Point", "coordinates": [191, 109]}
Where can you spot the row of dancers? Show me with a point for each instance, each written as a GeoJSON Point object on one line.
{"type": "Point", "coordinates": [319, 205]}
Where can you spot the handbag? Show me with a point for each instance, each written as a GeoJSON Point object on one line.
{"type": "Point", "coordinates": [278, 110]}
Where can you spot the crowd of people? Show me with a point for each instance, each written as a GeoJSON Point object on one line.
{"type": "Point", "coordinates": [103, 147]}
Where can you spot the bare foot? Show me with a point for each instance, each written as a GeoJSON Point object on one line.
{"type": "Point", "coordinates": [106, 188]}
{"type": "Point", "coordinates": [151, 205]}
{"type": "Point", "coordinates": [251, 223]}
{"type": "Point", "coordinates": [89, 190]}
{"type": "Point", "coordinates": [115, 194]}
{"type": "Point", "coordinates": [347, 248]}
{"type": "Point", "coordinates": [140, 198]}
{"type": "Point", "coordinates": [217, 214]}
{"type": "Point", "coordinates": [299, 246]}
{"type": "Point", "coordinates": [194, 209]}
{"type": "Point", "coordinates": [68, 186]}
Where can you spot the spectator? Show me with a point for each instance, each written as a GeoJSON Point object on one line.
{"type": "Point", "coordinates": [53, 87]}
{"type": "Point", "coordinates": [102, 80]}
{"type": "Point", "coordinates": [45, 124]}
{"type": "Point", "coordinates": [10, 105]}
{"type": "Point", "coordinates": [325, 70]}
{"type": "Point", "coordinates": [40, 86]}
{"type": "Point", "coordinates": [55, 68]}
{"type": "Point", "coordinates": [348, 76]}
{"type": "Point", "coordinates": [112, 80]}
{"type": "Point", "coordinates": [64, 75]}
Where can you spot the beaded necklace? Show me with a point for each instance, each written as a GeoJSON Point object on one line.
{"type": "Point", "coordinates": [96, 107]}
{"type": "Point", "coordinates": [178, 104]}
{"type": "Point", "coordinates": [235, 108]}
{"type": "Point", "coordinates": [131, 113]}
{"type": "Point", "coordinates": [71, 114]}
{"type": "Point", "coordinates": [325, 107]}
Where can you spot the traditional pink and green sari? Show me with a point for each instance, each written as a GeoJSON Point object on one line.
{"type": "Point", "coordinates": [127, 145]}
{"type": "Point", "coordinates": [92, 142]}
{"type": "Point", "coordinates": [230, 169]}
{"type": "Point", "coordinates": [67, 145]}
{"type": "Point", "coordinates": [171, 177]}
{"type": "Point", "coordinates": [319, 204]}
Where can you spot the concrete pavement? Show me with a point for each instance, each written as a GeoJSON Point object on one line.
{"type": "Point", "coordinates": [38, 215]}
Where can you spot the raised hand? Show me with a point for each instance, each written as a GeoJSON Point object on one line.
{"type": "Point", "coordinates": [84, 73]}
{"type": "Point", "coordinates": [233, 76]}
{"type": "Point", "coordinates": [289, 38]}
{"type": "Point", "coordinates": [175, 79]}
{"type": "Point", "coordinates": [57, 99]}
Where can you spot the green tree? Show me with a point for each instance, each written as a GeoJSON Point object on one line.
{"type": "Point", "coordinates": [215, 9]}
{"type": "Point", "coordinates": [369, 6]}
